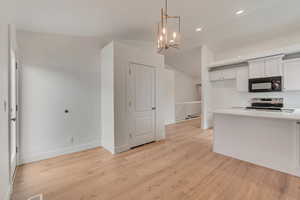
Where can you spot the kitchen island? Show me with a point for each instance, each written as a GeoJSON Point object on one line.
{"type": "Point", "coordinates": [266, 138]}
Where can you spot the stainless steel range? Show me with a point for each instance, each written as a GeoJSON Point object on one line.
{"type": "Point", "coordinates": [266, 104]}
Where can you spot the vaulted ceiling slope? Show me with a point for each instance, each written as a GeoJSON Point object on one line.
{"type": "Point", "coordinates": [136, 19]}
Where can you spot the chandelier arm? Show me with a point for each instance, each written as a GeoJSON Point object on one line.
{"type": "Point", "coordinates": [166, 7]}
{"type": "Point", "coordinates": [179, 26]}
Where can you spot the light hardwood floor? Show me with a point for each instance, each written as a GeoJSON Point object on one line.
{"type": "Point", "coordinates": [183, 167]}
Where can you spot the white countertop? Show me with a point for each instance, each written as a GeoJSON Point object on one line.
{"type": "Point", "coordinates": [189, 102]}
{"type": "Point", "coordinates": [260, 113]}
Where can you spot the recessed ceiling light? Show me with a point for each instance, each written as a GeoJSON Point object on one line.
{"type": "Point", "coordinates": [239, 12]}
{"type": "Point", "coordinates": [198, 29]}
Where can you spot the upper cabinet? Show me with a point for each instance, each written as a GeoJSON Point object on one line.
{"type": "Point", "coordinates": [224, 74]}
{"type": "Point", "coordinates": [291, 70]}
{"type": "Point", "coordinates": [273, 66]}
{"type": "Point", "coordinates": [256, 68]}
{"type": "Point", "coordinates": [242, 76]}
{"type": "Point", "coordinates": [267, 67]}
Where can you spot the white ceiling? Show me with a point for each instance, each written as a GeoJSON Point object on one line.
{"type": "Point", "coordinates": [188, 61]}
{"type": "Point", "coordinates": [136, 19]}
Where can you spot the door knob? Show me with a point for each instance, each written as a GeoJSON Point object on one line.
{"type": "Point", "coordinates": [153, 108]}
{"type": "Point", "coordinates": [13, 119]}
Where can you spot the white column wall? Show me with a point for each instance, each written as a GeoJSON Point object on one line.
{"type": "Point", "coordinates": [206, 115]}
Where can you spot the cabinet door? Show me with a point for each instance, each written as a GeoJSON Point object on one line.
{"type": "Point", "coordinates": [273, 67]}
{"type": "Point", "coordinates": [242, 79]}
{"type": "Point", "coordinates": [256, 69]}
{"type": "Point", "coordinates": [229, 74]}
{"type": "Point", "coordinates": [215, 75]}
{"type": "Point", "coordinates": [291, 71]}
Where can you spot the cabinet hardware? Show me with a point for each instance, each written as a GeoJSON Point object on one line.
{"type": "Point", "coordinates": [14, 119]}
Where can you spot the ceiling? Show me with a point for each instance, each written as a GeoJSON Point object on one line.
{"type": "Point", "coordinates": [136, 19]}
{"type": "Point", "coordinates": [188, 61]}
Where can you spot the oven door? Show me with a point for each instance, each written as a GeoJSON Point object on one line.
{"type": "Point", "coordinates": [271, 84]}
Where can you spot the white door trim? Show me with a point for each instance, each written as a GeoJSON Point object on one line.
{"type": "Point", "coordinates": [12, 48]}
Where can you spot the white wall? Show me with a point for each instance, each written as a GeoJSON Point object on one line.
{"type": "Point", "coordinates": [185, 86]}
{"type": "Point", "coordinates": [4, 139]}
{"type": "Point", "coordinates": [207, 57]}
{"type": "Point", "coordinates": [186, 90]}
{"type": "Point", "coordinates": [58, 73]}
{"type": "Point", "coordinates": [125, 53]}
{"type": "Point", "coordinates": [169, 96]}
{"type": "Point", "coordinates": [107, 97]}
{"type": "Point", "coordinates": [6, 17]}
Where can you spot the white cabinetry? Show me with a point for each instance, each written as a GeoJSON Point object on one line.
{"type": "Point", "coordinates": [242, 77]}
{"type": "Point", "coordinates": [229, 74]}
{"type": "Point", "coordinates": [215, 76]}
{"type": "Point", "coordinates": [256, 68]}
{"type": "Point", "coordinates": [225, 74]}
{"type": "Point", "coordinates": [291, 71]}
{"type": "Point", "coordinates": [273, 66]}
{"type": "Point", "coordinates": [267, 67]}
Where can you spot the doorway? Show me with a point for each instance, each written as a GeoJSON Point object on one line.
{"type": "Point", "coordinates": [142, 104]}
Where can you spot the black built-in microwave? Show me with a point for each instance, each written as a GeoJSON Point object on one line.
{"type": "Point", "coordinates": [269, 84]}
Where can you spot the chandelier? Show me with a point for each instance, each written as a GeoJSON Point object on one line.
{"type": "Point", "coordinates": [168, 32]}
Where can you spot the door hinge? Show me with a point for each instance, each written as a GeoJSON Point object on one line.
{"type": "Point", "coordinates": [129, 71]}
{"type": "Point", "coordinates": [16, 65]}
{"type": "Point", "coordinates": [17, 108]}
{"type": "Point", "coordinates": [17, 150]}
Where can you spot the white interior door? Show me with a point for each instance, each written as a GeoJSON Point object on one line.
{"type": "Point", "coordinates": [13, 102]}
{"type": "Point", "coordinates": [142, 105]}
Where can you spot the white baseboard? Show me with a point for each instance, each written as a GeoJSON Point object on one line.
{"type": "Point", "coordinates": [109, 148]}
{"type": "Point", "coordinates": [121, 149]}
{"type": "Point", "coordinates": [116, 150]}
{"type": "Point", "coordinates": [50, 154]}
{"type": "Point", "coordinates": [8, 193]}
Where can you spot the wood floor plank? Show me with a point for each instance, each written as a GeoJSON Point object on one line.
{"type": "Point", "coordinates": [182, 167]}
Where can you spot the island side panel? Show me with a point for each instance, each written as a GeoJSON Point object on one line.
{"type": "Point", "coordinates": [262, 141]}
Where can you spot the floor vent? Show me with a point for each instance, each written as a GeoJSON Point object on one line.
{"type": "Point", "coordinates": [36, 197]}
